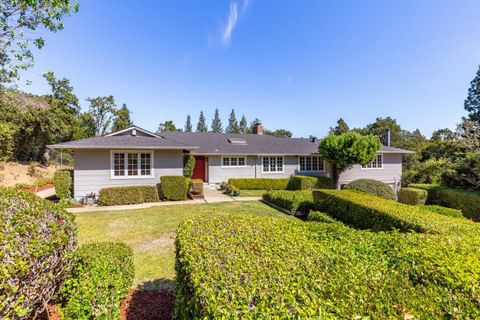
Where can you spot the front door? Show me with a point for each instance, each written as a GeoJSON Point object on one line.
{"type": "Point", "coordinates": [199, 170]}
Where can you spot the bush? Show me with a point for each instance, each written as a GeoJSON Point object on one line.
{"type": "Point", "coordinates": [292, 201]}
{"type": "Point", "coordinates": [188, 165]}
{"type": "Point", "coordinates": [197, 186]}
{"type": "Point", "coordinates": [43, 181]}
{"type": "Point", "coordinates": [465, 172]}
{"type": "Point", "coordinates": [309, 182]}
{"type": "Point", "coordinates": [259, 183]}
{"type": "Point", "coordinates": [101, 280]}
{"type": "Point", "coordinates": [174, 187]}
{"type": "Point", "coordinates": [320, 217]}
{"type": "Point", "coordinates": [115, 196]}
{"type": "Point", "coordinates": [36, 243]}
{"type": "Point", "coordinates": [364, 211]}
{"type": "Point", "coordinates": [373, 187]}
{"type": "Point", "coordinates": [62, 180]}
{"type": "Point", "coordinates": [443, 210]}
{"type": "Point", "coordinates": [412, 196]}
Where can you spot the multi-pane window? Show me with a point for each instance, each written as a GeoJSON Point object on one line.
{"type": "Point", "coordinates": [272, 164]}
{"type": "Point", "coordinates": [311, 163]}
{"type": "Point", "coordinates": [119, 164]}
{"type": "Point", "coordinates": [132, 164]}
{"type": "Point", "coordinates": [234, 162]}
{"type": "Point", "coordinates": [145, 164]}
{"type": "Point", "coordinates": [377, 163]}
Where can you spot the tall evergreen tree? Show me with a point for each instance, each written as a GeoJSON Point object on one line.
{"type": "Point", "coordinates": [232, 123]}
{"type": "Point", "coordinates": [122, 120]}
{"type": "Point", "coordinates": [217, 123]}
{"type": "Point", "coordinates": [202, 124]}
{"type": "Point", "coordinates": [243, 126]}
{"type": "Point", "coordinates": [472, 103]}
{"type": "Point", "coordinates": [188, 125]}
{"type": "Point", "coordinates": [340, 128]}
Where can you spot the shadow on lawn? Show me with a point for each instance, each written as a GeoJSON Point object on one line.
{"type": "Point", "coordinates": [151, 300]}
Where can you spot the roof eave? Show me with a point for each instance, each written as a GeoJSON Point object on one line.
{"type": "Point", "coordinates": [57, 146]}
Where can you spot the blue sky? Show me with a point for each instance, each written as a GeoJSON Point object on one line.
{"type": "Point", "coordinates": [298, 65]}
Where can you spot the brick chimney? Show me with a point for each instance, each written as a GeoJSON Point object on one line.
{"type": "Point", "coordinates": [257, 128]}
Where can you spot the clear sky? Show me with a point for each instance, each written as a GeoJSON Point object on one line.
{"type": "Point", "coordinates": [298, 65]}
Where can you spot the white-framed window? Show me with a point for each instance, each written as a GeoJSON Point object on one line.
{"type": "Point", "coordinates": [377, 163]}
{"type": "Point", "coordinates": [272, 164]}
{"type": "Point", "coordinates": [131, 164]}
{"type": "Point", "coordinates": [311, 164]}
{"type": "Point", "coordinates": [234, 162]}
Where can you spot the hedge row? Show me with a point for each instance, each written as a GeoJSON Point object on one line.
{"type": "Point", "coordinates": [101, 280]}
{"type": "Point", "coordinates": [62, 181]}
{"type": "Point", "coordinates": [412, 196]}
{"type": "Point", "coordinates": [465, 200]}
{"type": "Point", "coordinates": [174, 188]}
{"type": "Point", "coordinates": [443, 210]}
{"type": "Point", "coordinates": [320, 271]}
{"type": "Point", "coordinates": [259, 183]}
{"type": "Point", "coordinates": [373, 187]}
{"type": "Point", "coordinates": [320, 217]}
{"type": "Point", "coordinates": [309, 182]}
{"type": "Point", "coordinates": [127, 195]}
{"type": "Point", "coordinates": [293, 201]}
{"type": "Point", "coordinates": [369, 212]}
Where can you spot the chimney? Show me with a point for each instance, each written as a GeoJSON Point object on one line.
{"type": "Point", "coordinates": [387, 137]}
{"type": "Point", "coordinates": [257, 128]}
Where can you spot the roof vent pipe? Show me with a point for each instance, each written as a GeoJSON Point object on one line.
{"type": "Point", "coordinates": [313, 139]}
{"type": "Point", "coordinates": [387, 137]}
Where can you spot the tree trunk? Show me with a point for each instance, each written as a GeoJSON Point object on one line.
{"type": "Point", "coordinates": [335, 177]}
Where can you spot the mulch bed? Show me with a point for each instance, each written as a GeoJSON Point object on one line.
{"type": "Point", "coordinates": [148, 305]}
{"type": "Point", "coordinates": [37, 189]}
{"type": "Point", "coordinates": [51, 313]}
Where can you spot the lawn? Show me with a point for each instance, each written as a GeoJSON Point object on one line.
{"type": "Point", "coordinates": [252, 193]}
{"type": "Point", "coordinates": [151, 234]}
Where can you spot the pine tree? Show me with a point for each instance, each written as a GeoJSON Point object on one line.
{"type": "Point", "coordinates": [202, 125]}
{"type": "Point", "coordinates": [243, 126]}
{"type": "Point", "coordinates": [232, 123]}
{"type": "Point", "coordinates": [217, 123]}
{"type": "Point", "coordinates": [188, 125]}
{"type": "Point", "coordinates": [341, 127]}
{"type": "Point", "coordinates": [472, 103]}
{"type": "Point", "coordinates": [122, 120]}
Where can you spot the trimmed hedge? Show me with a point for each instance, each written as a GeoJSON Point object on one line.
{"type": "Point", "coordinates": [36, 243]}
{"type": "Point", "coordinates": [259, 183]}
{"type": "Point", "coordinates": [101, 280]}
{"type": "Point", "coordinates": [309, 182]}
{"type": "Point", "coordinates": [320, 217]}
{"type": "Point", "coordinates": [412, 196]}
{"type": "Point", "coordinates": [320, 271]}
{"type": "Point", "coordinates": [465, 200]}
{"type": "Point", "coordinates": [443, 210]}
{"type": "Point", "coordinates": [293, 201]}
{"type": "Point", "coordinates": [62, 180]}
{"type": "Point", "coordinates": [197, 186]}
{"type": "Point", "coordinates": [174, 188]}
{"type": "Point", "coordinates": [373, 187]}
{"type": "Point", "coordinates": [127, 195]}
{"type": "Point", "coordinates": [365, 211]}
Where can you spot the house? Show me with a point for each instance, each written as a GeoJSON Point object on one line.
{"type": "Point", "coordinates": [135, 156]}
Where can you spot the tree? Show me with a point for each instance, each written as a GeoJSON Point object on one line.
{"type": "Point", "coordinates": [345, 150]}
{"type": "Point", "coordinates": [102, 111]}
{"type": "Point", "coordinates": [279, 133]}
{"type": "Point", "coordinates": [253, 124]}
{"type": "Point", "coordinates": [122, 119]}
{"type": "Point", "coordinates": [472, 103]}
{"type": "Point", "coordinates": [188, 124]}
{"type": "Point", "coordinates": [443, 135]}
{"type": "Point", "coordinates": [217, 123]}
{"type": "Point", "coordinates": [232, 123]}
{"type": "Point", "coordinates": [340, 128]}
{"type": "Point", "coordinates": [202, 125]}
{"type": "Point", "coordinates": [7, 135]}
{"type": "Point", "coordinates": [19, 21]}
{"type": "Point", "coordinates": [243, 126]}
{"type": "Point", "coordinates": [380, 126]}
{"type": "Point", "coordinates": [167, 126]}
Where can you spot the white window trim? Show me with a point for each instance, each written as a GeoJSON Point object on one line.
{"type": "Point", "coordinates": [126, 176]}
{"type": "Point", "coordinates": [310, 171]}
{"type": "Point", "coordinates": [273, 172]}
{"type": "Point", "coordinates": [233, 167]}
{"type": "Point", "coordinates": [381, 168]}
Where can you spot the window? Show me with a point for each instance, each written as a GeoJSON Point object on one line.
{"type": "Point", "coordinates": [377, 163]}
{"type": "Point", "coordinates": [272, 164]}
{"type": "Point", "coordinates": [132, 164]}
{"type": "Point", "coordinates": [234, 162]}
{"type": "Point", "coordinates": [313, 163]}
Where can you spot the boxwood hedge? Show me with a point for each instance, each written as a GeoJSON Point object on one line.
{"type": "Point", "coordinates": [259, 183]}
{"type": "Point", "coordinates": [373, 187]}
{"type": "Point", "coordinates": [320, 217]}
{"type": "Point", "coordinates": [127, 195]}
{"type": "Point", "coordinates": [309, 182]}
{"type": "Point", "coordinates": [443, 210]}
{"type": "Point", "coordinates": [412, 196]}
{"type": "Point", "coordinates": [293, 201]}
{"type": "Point", "coordinates": [62, 181]}
{"type": "Point", "coordinates": [174, 187]}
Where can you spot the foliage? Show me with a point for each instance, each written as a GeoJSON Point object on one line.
{"type": "Point", "coordinates": [188, 124]}
{"type": "Point", "coordinates": [443, 210]}
{"type": "Point", "coordinates": [100, 281]}
{"type": "Point", "coordinates": [279, 133]}
{"type": "Point", "coordinates": [174, 187]}
{"type": "Point", "coordinates": [348, 149]}
{"type": "Point", "coordinates": [43, 181]}
{"type": "Point", "coordinates": [115, 196]}
{"type": "Point", "coordinates": [243, 125]}
{"type": "Point", "coordinates": [122, 119]}
{"type": "Point", "coordinates": [379, 129]}
{"type": "Point", "coordinates": [36, 243]}
{"type": "Point", "coordinates": [412, 196]}
{"type": "Point", "coordinates": [472, 103]}
{"type": "Point", "coordinates": [293, 201]}
{"type": "Point", "coordinates": [373, 187]}
{"type": "Point", "coordinates": [217, 123]}
{"type": "Point", "coordinates": [465, 172]}
{"type": "Point", "coordinates": [102, 111]}
{"type": "Point", "coordinates": [62, 181]}
{"type": "Point", "coordinates": [202, 123]}
{"type": "Point", "coordinates": [188, 165]}
{"type": "Point", "coordinates": [320, 217]}
{"type": "Point", "coordinates": [7, 134]}
{"type": "Point", "coordinates": [340, 128]}
{"type": "Point", "coordinates": [309, 182]}
{"type": "Point", "coordinates": [197, 186]}
{"type": "Point", "coordinates": [259, 183]}
{"type": "Point", "coordinates": [167, 126]}
{"type": "Point", "coordinates": [232, 124]}
{"type": "Point", "coordinates": [429, 171]}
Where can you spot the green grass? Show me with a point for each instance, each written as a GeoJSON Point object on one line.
{"type": "Point", "coordinates": [151, 233]}
{"type": "Point", "coordinates": [252, 193]}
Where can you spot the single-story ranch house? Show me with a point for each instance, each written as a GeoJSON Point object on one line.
{"type": "Point", "coordinates": [135, 156]}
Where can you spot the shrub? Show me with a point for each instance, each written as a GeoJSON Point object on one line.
{"type": "Point", "coordinates": [100, 281]}
{"type": "Point", "coordinates": [115, 196]}
{"type": "Point", "coordinates": [309, 182]}
{"type": "Point", "coordinates": [259, 183]}
{"type": "Point", "coordinates": [292, 201]}
{"type": "Point", "coordinates": [43, 181]}
{"type": "Point", "coordinates": [197, 186]}
{"type": "Point", "coordinates": [188, 165]}
{"type": "Point", "coordinates": [443, 210]}
{"type": "Point", "coordinates": [174, 187]}
{"type": "Point", "coordinates": [320, 217]}
{"type": "Point", "coordinates": [412, 196]}
{"type": "Point", "coordinates": [62, 180]}
{"type": "Point", "coordinates": [373, 187]}
{"type": "Point", "coordinates": [369, 212]}
{"type": "Point", "coordinates": [36, 243]}
{"type": "Point", "coordinates": [465, 172]}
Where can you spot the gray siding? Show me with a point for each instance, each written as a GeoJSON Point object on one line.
{"type": "Point", "coordinates": [92, 170]}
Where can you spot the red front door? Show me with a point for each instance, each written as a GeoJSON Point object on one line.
{"type": "Point", "coordinates": [199, 170]}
